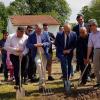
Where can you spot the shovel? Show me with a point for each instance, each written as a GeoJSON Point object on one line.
{"type": "Point", "coordinates": [20, 92]}
{"type": "Point", "coordinates": [80, 79]}
{"type": "Point", "coordinates": [67, 83]}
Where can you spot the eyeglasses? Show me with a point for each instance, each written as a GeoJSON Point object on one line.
{"type": "Point", "coordinates": [92, 25]}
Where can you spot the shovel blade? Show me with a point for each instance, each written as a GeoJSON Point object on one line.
{"type": "Point", "coordinates": [67, 86]}
{"type": "Point", "coordinates": [20, 93]}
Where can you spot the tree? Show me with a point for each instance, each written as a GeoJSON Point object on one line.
{"type": "Point", "coordinates": [57, 8]}
{"type": "Point", "coordinates": [86, 12]}
{"type": "Point", "coordinates": [95, 10]}
{"type": "Point", "coordinates": [92, 11]}
{"type": "Point", "coordinates": [3, 17]}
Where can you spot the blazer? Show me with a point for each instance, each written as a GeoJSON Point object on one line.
{"type": "Point", "coordinates": [60, 43]}
{"type": "Point", "coordinates": [33, 40]}
{"type": "Point", "coordinates": [76, 29]}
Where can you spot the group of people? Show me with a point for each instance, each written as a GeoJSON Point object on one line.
{"type": "Point", "coordinates": [35, 48]}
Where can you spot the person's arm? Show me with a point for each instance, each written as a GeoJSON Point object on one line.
{"type": "Point", "coordinates": [8, 47]}
{"type": "Point", "coordinates": [89, 50]}
{"type": "Point", "coordinates": [29, 43]}
{"type": "Point", "coordinates": [47, 43]}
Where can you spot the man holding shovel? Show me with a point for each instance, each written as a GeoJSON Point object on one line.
{"type": "Point", "coordinates": [39, 43]}
{"type": "Point", "coordinates": [65, 44]}
{"type": "Point", "coordinates": [16, 45]}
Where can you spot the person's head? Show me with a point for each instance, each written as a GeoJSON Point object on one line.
{"type": "Point", "coordinates": [29, 29]}
{"type": "Point", "coordinates": [80, 19]}
{"type": "Point", "coordinates": [67, 28]}
{"type": "Point", "coordinates": [20, 31]}
{"type": "Point", "coordinates": [93, 24]}
{"type": "Point", "coordinates": [38, 28]}
{"type": "Point", "coordinates": [5, 35]}
{"type": "Point", "coordinates": [45, 27]}
{"type": "Point", "coordinates": [83, 32]}
{"type": "Point", "coordinates": [61, 28]}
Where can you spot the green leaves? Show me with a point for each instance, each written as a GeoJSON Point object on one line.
{"type": "Point", "coordinates": [57, 8]}
{"type": "Point", "coordinates": [93, 11]}
{"type": "Point", "coordinates": [3, 17]}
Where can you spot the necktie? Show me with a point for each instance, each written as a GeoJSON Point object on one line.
{"type": "Point", "coordinates": [67, 42]}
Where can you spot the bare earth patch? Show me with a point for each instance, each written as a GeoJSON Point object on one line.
{"type": "Point", "coordinates": [86, 92]}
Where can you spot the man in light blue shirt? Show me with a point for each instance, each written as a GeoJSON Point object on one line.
{"type": "Point", "coordinates": [94, 42]}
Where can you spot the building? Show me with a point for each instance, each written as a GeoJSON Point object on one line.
{"type": "Point", "coordinates": [15, 21]}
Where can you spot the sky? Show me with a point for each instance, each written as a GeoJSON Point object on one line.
{"type": "Point", "coordinates": [75, 6]}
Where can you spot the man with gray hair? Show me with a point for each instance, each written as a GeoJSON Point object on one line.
{"type": "Point", "coordinates": [65, 43]}
{"type": "Point", "coordinates": [39, 43]}
{"type": "Point", "coordinates": [94, 42]}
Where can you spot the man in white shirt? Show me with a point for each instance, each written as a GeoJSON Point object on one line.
{"type": "Point", "coordinates": [16, 45]}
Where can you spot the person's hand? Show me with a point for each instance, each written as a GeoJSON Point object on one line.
{"type": "Point", "coordinates": [86, 61]}
{"type": "Point", "coordinates": [66, 51]}
{"type": "Point", "coordinates": [19, 50]}
{"type": "Point", "coordinates": [38, 45]}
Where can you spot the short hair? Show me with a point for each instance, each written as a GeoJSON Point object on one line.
{"type": "Point", "coordinates": [4, 32]}
{"type": "Point", "coordinates": [45, 24]}
{"type": "Point", "coordinates": [39, 25]}
{"type": "Point", "coordinates": [29, 26]}
{"type": "Point", "coordinates": [20, 28]}
{"type": "Point", "coordinates": [92, 21]}
{"type": "Point", "coordinates": [79, 15]}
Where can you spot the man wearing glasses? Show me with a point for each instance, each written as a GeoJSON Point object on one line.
{"type": "Point", "coordinates": [94, 42]}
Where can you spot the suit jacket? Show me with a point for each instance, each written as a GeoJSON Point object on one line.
{"type": "Point", "coordinates": [82, 45]}
{"type": "Point", "coordinates": [52, 38]}
{"type": "Point", "coordinates": [33, 40]}
{"type": "Point", "coordinates": [60, 43]}
{"type": "Point", "coordinates": [76, 29]}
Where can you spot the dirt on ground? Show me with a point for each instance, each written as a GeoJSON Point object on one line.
{"type": "Point", "coordinates": [55, 89]}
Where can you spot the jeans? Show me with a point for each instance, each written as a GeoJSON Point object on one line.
{"type": "Point", "coordinates": [4, 56]}
{"type": "Point", "coordinates": [66, 66]}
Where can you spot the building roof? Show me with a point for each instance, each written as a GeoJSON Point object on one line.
{"type": "Point", "coordinates": [33, 19]}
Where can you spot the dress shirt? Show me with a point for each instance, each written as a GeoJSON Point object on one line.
{"type": "Point", "coordinates": [94, 39]}
{"type": "Point", "coordinates": [40, 49]}
{"type": "Point", "coordinates": [13, 43]}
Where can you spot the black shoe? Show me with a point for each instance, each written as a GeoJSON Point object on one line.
{"type": "Point", "coordinates": [97, 85]}
{"type": "Point", "coordinates": [41, 89]}
{"type": "Point", "coordinates": [35, 80]}
{"type": "Point", "coordinates": [16, 87]}
{"type": "Point", "coordinates": [50, 78]}
{"type": "Point", "coordinates": [92, 76]}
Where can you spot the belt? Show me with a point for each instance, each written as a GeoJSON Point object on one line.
{"type": "Point", "coordinates": [97, 48]}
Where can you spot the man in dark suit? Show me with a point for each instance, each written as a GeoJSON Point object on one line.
{"type": "Point", "coordinates": [76, 28]}
{"type": "Point", "coordinates": [65, 43]}
{"type": "Point", "coordinates": [39, 43]}
{"type": "Point", "coordinates": [31, 66]}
